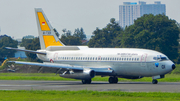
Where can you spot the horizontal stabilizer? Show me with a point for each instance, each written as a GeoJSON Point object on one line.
{"type": "Point", "coordinates": [31, 51]}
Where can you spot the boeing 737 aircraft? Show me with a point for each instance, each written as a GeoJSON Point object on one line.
{"type": "Point", "coordinates": [84, 63]}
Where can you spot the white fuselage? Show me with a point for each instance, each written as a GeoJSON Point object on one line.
{"type": "Point", "coordinates": [124, 61]}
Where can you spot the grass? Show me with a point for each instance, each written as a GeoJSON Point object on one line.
{"type": "Point", "coordinates": [54, 77]}
{"type": "Point", "coordinates": [84, 95]}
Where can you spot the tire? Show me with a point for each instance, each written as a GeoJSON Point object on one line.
{"type": "Point", "coordinates": [154, 81]}
{"type": "Point", "coordinates": [83, 81]}
{"type": "Point", "coordinates": [113, 80]}
{"type": "Point", "coordinates": [87, 81]}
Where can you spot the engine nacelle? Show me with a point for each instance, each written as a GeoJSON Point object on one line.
{"type": "Point", "coordinates": [85, 74]}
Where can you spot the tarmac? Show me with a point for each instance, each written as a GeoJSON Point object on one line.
{"type": "Point", "coordinates": [95, 86]}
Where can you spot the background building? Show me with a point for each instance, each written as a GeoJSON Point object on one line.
{"type": "Point", "coordinates": [20, 54]}
{"type": "Point", "coordinates": [130, 11]}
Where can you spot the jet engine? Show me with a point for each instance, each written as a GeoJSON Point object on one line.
{"type": "Point", "coordinates": [85, 74]}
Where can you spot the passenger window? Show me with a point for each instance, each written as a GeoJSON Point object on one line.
{"type": "Point", "coordinates": [124, 59]}
{"type": "Point", "coordinates": [137, 59]}
{"type": "Point", "coordinates": [129, 59]}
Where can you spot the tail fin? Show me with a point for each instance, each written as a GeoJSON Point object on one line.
{"type": "Point", "coordinates": [47, 35]}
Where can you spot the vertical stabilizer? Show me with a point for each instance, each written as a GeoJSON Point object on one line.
{"type": "Point", "coordinates": [47, 35]}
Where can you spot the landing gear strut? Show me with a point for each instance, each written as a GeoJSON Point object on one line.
{"type": "Point", "coordinates": [113, 80]}
{"type": "Point", "coordinates": [154, 81]}
{"type": "Point", "coordinates": [86, 81]}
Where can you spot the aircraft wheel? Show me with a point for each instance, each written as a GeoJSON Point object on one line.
{"type": "Point", "coordinates": [87, 81]}
{"type": "Point", "coordinates": [154, 81]}
{"type": "Point", "coordinates": [113, 80]}
{"type": "Point", "coordinates": [83, 81]}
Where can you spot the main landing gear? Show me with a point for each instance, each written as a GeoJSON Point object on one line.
{"type": "Point", "coordinates": [113, 80]}
{"type": "Point", "coordinates": [86, 81]}
{"type": "Point", "coordinates": [154, 81]}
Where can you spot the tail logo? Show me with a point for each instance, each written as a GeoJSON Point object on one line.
{"type": "Point", "coordinates": [43, 23]}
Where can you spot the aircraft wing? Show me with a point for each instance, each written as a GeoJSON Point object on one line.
{"type": "Point", "coordinates": [31, 51]}
{"type": "Point", "coordinates": [54, 67]}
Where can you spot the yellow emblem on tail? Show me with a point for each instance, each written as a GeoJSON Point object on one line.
{"type": "Point", "coordinates": [42, 22]}
{"type": "Point", "coordinates": [49, 40]}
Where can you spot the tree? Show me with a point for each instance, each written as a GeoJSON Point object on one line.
{"type": "Point", "coordinates": [66, 32]}
{"type": "Point", "coordinates": [7, 42]}
{"type": "Point", "coordinates": [106, 37]}
{"type": "Point", "coordinates": [153, 32]}
{"type": "Point", "coordinates": [70, 40]}
{"type": "Point", "coordinates": [25, 42]}
{"type": "Point", "coordinates": [79, 33]}
{"type": "Point", "coordinates": [34, 45]}
{"type": "Point", "coordinates": [74, 39]}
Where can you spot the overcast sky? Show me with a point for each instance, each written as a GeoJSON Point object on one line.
{"type": "Point", "coordinates": [17, 17]}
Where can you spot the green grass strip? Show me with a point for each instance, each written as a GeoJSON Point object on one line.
{"type": "Point", "coordinates": [54, 77]}
{"type": "Point", "coordinates": [84, 95]}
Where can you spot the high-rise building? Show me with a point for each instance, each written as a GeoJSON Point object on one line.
{"type": "Point", "coordinates": [130, 11]}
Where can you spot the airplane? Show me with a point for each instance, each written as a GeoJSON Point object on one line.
{"type": "Point", "coordinates": [84, 63]}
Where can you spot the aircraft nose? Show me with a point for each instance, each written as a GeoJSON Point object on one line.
{"type": "Point", "coordinates": [173, 66]}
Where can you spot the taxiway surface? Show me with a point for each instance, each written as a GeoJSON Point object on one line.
{"type": "Point", "coordinates": [95, 85]}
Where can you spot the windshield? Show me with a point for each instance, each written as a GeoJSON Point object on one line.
{"type": "Point", "coordinates": [161, 58]}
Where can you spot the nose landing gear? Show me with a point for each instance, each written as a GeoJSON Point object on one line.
{"type": "Point", "coordinates": [154, 81]}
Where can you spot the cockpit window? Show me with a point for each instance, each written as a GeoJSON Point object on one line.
{"type": "Point", "coordinates": [160, 58]}
{"type": "Point", "coordinates": [164, 58]}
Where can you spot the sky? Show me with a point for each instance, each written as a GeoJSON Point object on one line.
{"type": "Point", "coordinates": [17, 17]}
